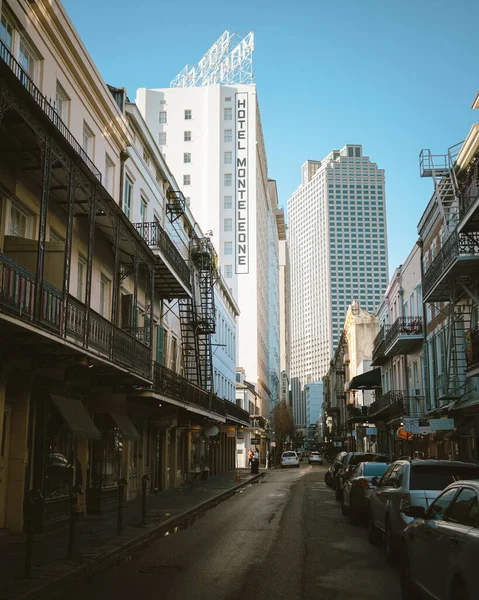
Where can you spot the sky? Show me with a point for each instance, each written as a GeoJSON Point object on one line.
{"type": "Point", "coordinates": [395, 77]}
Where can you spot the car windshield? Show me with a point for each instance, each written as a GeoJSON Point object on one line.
{"type": "Point", "coordinates": [374, 469]}
{"type": "Point", "coordinates": [356, 459]}
{"type": "Point", "coordinates": [289, 454]}
{"type": "Point", "coordinates": [432, 477]}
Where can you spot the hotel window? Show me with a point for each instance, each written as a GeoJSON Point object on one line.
{"type": "Point", "coordinates": [228, 271]}
{"type": "Point", "coordinates": [186, 179]}
{"type": "Point", "coordinates": [228, 114]}
{"type": "Point", "coordinates": [188, 201]}
{"type": "Point", "coordinates": [162, 117]}
{"type": "Point", "coordinates": [109, 175]}
{"type": "Point", "coordinates": [127, 197]}
{"type": "Point", "coordinates": [228, 158]}
{"type": "Point", "coordinates": [228, 248]}
{"type": "Point", "coordinates": [228, 99]}
{"type": "Point", "coordinates": [187, 136]}
{"type": "Point", "coordinates": [162, 138]}
{"type": "Point", "coordinates": [143, 210]}
{"type": "Point", "coordinates": [104, 297]}
{"type": "Point", "coordinates": [19, 222]}
{"type": "Point", "coordinates": [228, 135]}
{"type": "Point", "coordinates": [228, 202]}
{"type": "Point", "coordinates": [228, 225]}
{"type": "Point", "coordinates": [62, 103]}
{"type": "Point", "coordinates": [187, 115]}
{"type": "Point", "coordinates": [187, 157]}
{"type": "Point", "coordinates": [6, 32]}
{"type": "Point", "coordinates": [228, 179]}
{"type": "Point", "coordinates": [27, 59]}
{"type": "Point", "coordinates": [88, 139]}
{"type": "Point", "coordinates": [146, 156]}
{"type": "Point", "coordinates": [81, 276]}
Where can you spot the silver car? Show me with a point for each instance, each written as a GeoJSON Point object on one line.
{"type": "Point", "coordinates": [358, 489]}
{"type": "Point", "coordinates": [441, 547]}
{"type": "Point", "coordinates": [409, 483]}
{"type": "Point", "coordinates": [315, 458]}
{"type": "Point", "coordinates": [289, 459]}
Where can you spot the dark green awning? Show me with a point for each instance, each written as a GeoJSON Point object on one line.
{"type": "Point", "coordinates": [125, 425]}
{"type": "Point", "coordinates": [366, 381]}
{"type": "Point", "coordinates": [76, 417]}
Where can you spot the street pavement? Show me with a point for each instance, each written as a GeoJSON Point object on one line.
{"type": "Point", "coordinates": [281, 538]}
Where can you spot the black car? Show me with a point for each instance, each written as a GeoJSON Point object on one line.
{"type": "Point", "coordinates": [333, 469]}
{"type": "Point", "coordinates": [348, 464]}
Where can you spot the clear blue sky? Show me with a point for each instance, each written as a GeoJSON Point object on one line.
{"type": "Point", "coordinates": [393, 76]}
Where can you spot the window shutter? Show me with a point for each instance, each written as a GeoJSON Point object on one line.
{"type": "Point", "coordinates": [126, 310]}
{"type": "Point", "coordinates": [160, 344]}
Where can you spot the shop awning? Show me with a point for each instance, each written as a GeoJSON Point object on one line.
{"type": "Point", "coordinates": [76, 417]}
{"type": "Point", "coordinates": [124, 424]}
{"type": "Point", "coordinates": [366, 381]}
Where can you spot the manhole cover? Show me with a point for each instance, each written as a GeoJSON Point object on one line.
{"type": "Point", "coordinates": [161, 569]}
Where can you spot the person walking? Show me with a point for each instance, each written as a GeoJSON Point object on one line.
{"type": "Point", "coordinates": [250, 457]}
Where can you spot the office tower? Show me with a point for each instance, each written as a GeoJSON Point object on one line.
{"type": "Point", "coordinates": [338, 253]}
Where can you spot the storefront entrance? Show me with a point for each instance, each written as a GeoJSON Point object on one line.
{"type": "Point", "coordinates": [4, 456]}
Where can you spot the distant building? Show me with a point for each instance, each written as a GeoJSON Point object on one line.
{"type": "Point", "coordinates": [314, 401]}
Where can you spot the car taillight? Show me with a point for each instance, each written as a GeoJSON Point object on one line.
{"type": "Point", "coordinates": [364, 484]}
{"type": "Point", "coordinates": [404, 502]}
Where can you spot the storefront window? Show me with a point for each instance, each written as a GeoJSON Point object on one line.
{"type": "Point", "coordinates": [199, 458]}
{"type": "Point", "coordinates": [107, 454]}
{"type": "Point", "coordinates": [59, 465]}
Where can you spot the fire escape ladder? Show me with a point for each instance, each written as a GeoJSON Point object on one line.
{"type": "Point", "coordinates": [190, 346]}
{"type": "Point", "coordinates": [456, 363]}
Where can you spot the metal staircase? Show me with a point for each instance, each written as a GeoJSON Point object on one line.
{"type": "Point", "coordinates": [198, 319]}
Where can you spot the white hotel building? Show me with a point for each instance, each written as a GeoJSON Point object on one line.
{"type": "Point", "coordinates": [338, 253]}
{"type": "Point", "coordinates": [208, 127]}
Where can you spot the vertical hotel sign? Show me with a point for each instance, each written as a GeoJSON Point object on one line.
{"type": "Point", "coordinates": [241, 183]}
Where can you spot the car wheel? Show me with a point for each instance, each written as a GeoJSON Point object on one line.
{"type": "Point", "coordinates": [374, 535]}
{"type": "Point", "coordinates": [328, 480]}
{"type": "Point", "coordinates": [389, 543]}
{"type": "Point", "coordinates": [337, 491]}
{"type": "Point", "coordinates": [353, 514]}
{"type": "Point", "coordinates": [409, 590]}
{"type": "Point", "coordinates": [344, 508]}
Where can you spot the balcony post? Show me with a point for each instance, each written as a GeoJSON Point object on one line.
{"type": "Point", "coordinates": [136, 265]}
{"type": "Point", "coordinates": [91, 247]}
{"type": "Point", "coordinates": [115, 296]}
{"type": "Point", "coordinates": [149, 305]}
{"type": "Point", "coordinates": [68, 246]}
{"type": "Point", "coordinates": [42, 225]}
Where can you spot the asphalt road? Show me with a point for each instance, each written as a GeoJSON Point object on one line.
{"type": "Point", "coordinates": [282, 539]}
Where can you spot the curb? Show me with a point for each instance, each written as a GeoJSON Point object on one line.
{"type": "Point", "coordinates": [83, 573]}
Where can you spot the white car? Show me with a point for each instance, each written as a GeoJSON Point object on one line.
{"type": "Point", "coordinates": [315, 458]}
{"type": "Point", "coordinates": [289, 459]}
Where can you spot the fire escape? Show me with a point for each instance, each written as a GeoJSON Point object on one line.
{"type": "Point", "coordinates": [447, 280]}
{"type": "Point", "coordinates": [198, 319]}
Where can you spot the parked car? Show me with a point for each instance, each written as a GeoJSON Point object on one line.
{"type": "Point", "coordinates": [289, 459]}
{"type": "Point", "coordinates": [348, 464]}
{"type": "Point", "coordinates": [335, 465]}
{"type": "Point", "coordinates": [409, 483]}
{"type": "Point", "coordinates": [441, 546]}
{"type": "Point", "coordinates": [358, 488]}
{"type": "Point", "coordinates": [315, 458]}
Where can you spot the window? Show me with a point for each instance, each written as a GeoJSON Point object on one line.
{"type": "Point", "coordinates": [228, 158]}
{"type": "Point", "coordinates": [104, 297]}
{"type": "Point", "coordinates": [162, 117]}
{"type": "Point", "coordinates": [6, 32]}
{"type": "Point", "coordinates": [187, 136]}
{"type": "Point", "coordinates": [228, 179]}
{"type": "Point", "coordinates": [228, 248]}
{"type": "Point", "coordinates": [188, 201]}
{"type": "Point", "coordinates": [438, 509]}
{"type": "Point", "coordinates": [88, 138]}
{"type": "Point", "coordinates": [62, 103]}
{"type": "Point", "coordinates": [81, 277]}
{"type": "Point", "coordinates": [146, 156]}
{"type": "Point", "coordinates": [55, 237]}
{"type": "Point", "coordinates": [174, 348]}
{"type": "Point", "coordinates": [228, 114]}
{"type": "Point", "coordinates": [187, 115]}
{"type": "Point", "coordinates": [109, 175]}
{"type": "Point", "coordinates": [143, 210]}
{"type": "Point", "coordinates": [127, 197]}
{"type": "Point", "coordinates": [228, 202]}
{"type": "Point", "coordinates": [464, 509]}
{"type": "Point", "coordinates": [187, 157]}
{"type": "Point", "coordinates": [228, 135]}
{"type": "Point", "coordinates": [228, 225]}
{"type": "Point", "coordinates": [228, 271]}
{"type": "Point", "coordinates": [19, 222]}
{"type": "Point", "coordinates": [27, 59]}
{"type": "Point", "coordinates": [228, 99]}
{"type": "Point", "coordinates": [186, 179]}
{"type": "Point", "coordinates": [162, 138]}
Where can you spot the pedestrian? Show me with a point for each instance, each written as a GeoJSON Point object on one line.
{"type": "Point", "coordinates": [250, 457]}
{"type": "Point", "coordinates": [256, 454]}
{"type": "Point", "coordinates": [268, 459]}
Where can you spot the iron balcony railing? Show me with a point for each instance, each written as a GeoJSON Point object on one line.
{"type": "Point", "coordinates": [234, 411]}
{"type": "Point", "coordinates": [385, 401]}
{"type": "Point", "coordinates": [156, 237]}
{"type": "Point", "coordinates": [458, 244]}
{"type": "Point", "coordinates": [18, 297]}
{"type": "Point", "coordinates": [358, 411]}
{"type": "Point", "coordinates": [403, 326]}
{"type": "Point", "coordinates": [378, 344]}
{"type": "Point", "coordinates": [218, 405]}
{"type": "Point", "coordinates": [48, 109]}
{"type": "Point", "coordinates": [171, 384]}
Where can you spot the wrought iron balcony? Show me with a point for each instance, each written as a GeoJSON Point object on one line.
{"type": "Point", "coordinates": [15, 68]}
{"type": "Point", "coordinates": [175, 386]}
{"type": "Point", "coordinates": [380, 407]}
{"type": "Point", "coordinates": [469, 197]}
{"type": "Point", "coordinates": [404, 335]}
{"type": "Point", "coordinates": [157, 239]}
{"type": "Point", "coordinates": [357, 412]}
{"type": "Point", "coordinates": [47, 311]}
{"type": "Point", "coordinates": [379, 343]}
{"type": "Point", "coordinates": [459, 257]}
{"type": "Point", "coordinates": [236, 413]}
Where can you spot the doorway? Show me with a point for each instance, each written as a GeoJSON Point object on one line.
{"type": "Point", "coordinates": [4, 455]}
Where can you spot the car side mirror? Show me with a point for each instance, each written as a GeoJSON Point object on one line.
{"type": "Point", "coordinates": [416, 512]}
{"type": "Point", "coordinates": [375, 481]}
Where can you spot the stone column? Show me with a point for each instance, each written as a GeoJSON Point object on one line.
{"type": "Point", "coordinates": [173, 457]}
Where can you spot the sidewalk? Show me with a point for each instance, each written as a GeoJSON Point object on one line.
{"type": "Point", "coordinates": [96, 543]}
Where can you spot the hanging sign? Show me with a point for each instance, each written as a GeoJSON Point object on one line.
{"type": "Point", "coordinates": [241, 182]}
{"type": "Point", "coordinates": [411, 425]}
{"type": "Point", "coordinates": [441, 424]}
